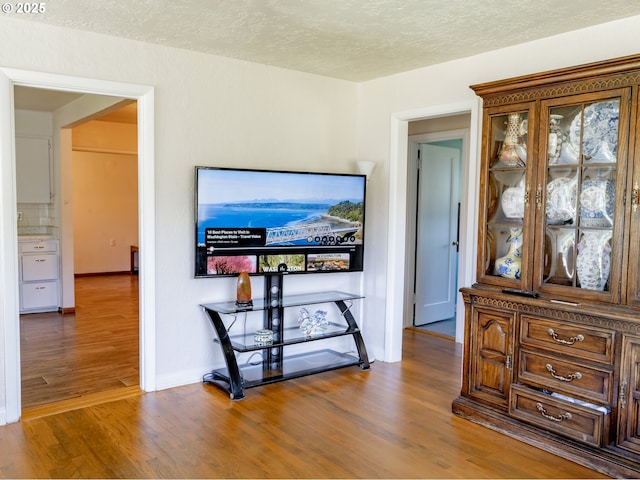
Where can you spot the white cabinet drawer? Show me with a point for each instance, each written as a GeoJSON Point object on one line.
{"type": "Point", "coordinates": [39, 295]}
{"type": "Point", "coordinates": [39, 267]}
{"type": "Point", "coordinates": [39, 246]}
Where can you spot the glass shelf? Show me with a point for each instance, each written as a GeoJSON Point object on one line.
{"type": "Point", "coordinates": [291, 367]}
{"type": "Point", "coordinates": [246, 343]}
{"type": "Point", "coordinates": [260, 304]}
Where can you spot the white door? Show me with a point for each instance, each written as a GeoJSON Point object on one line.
{"type": "Point", "coordinates": [437, 233]}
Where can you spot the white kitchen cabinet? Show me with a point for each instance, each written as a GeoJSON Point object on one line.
{"type": "Point", "coordinates": [39, 276]}
{"type": "Point", "coordinates": [33, 170]}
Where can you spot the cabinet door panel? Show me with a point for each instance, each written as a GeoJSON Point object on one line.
{"type": "Point", "coordinates": [632, 258]}
{"type": "Point", "coordinates": [504, 205]}
{"type": "Point", "coordinates": [581, 181]}
{"type": "Point", "coordinates": [492, 355]}
{"type": "Point", "coordinates": [33, 170]}
{"type": "Point", "coordinates": [629, 395]}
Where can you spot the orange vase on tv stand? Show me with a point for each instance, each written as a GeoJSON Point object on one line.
{"type": "Point", "coordinates": [243, 291]}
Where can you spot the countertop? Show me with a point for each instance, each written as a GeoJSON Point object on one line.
{"type": "Point", "coordinates": [32, 237]}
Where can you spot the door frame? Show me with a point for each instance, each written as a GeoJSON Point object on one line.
{"type": "Point", "coordinates": [10, 381]}
{"type": "Point", "coordinates": [398, 208]}
{"type": "Point", "coordinates": [413, 195]}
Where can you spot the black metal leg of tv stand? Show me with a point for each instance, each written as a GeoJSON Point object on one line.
{"type": "Point", "coordinates": [234, 384]}
{"type": "Point", "coordinates": [357, 336]}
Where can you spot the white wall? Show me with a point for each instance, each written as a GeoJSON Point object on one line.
{"type": "Point", "coordinates": [30, 123]}
{"type": "Point", "coordinates": [436, 88]}
{"type": "Point", "coordinates": [209, 111]}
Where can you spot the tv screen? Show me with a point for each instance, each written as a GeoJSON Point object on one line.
{"type": "Point", "coordinates": [268, 222]}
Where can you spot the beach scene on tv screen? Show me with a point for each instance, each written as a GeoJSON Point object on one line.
{"type": "Point", "coordinates": [239, 208]}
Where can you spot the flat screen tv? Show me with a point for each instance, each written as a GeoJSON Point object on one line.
{"type": "Point", "coordinates": [274, 222]}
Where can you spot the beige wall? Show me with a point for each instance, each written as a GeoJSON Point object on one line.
{"type": "Point", "coordinates": [105, 196]}
{"type": "Point", "coordinates": [105, 211]}
{"type": "Point", "coordinates": [112, 137]}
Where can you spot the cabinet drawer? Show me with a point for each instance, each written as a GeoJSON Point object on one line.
{"type": "Point", "coordinates": [39, 267]}
{"type": "Point", "coordinates": [586, 425]}
{"type": "Point", "coordinates": [39, 295]}
{"type": "Point", "coordinates": [568, 339]}
{"type": "Point", "coordinates": [564, 376]}
{"type": "Point", "coordinates": [39, 246]}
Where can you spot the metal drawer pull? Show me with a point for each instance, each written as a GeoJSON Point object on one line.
{"type": "Point", "coordinates": [623, 394]}
{"type": "Point", "coordinates": [559, 418]}
{"type": "Point", "coordinates": [569, 378]}
{"type": "Point", "coordinates": [571, 341]}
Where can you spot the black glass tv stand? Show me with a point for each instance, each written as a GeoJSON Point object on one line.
{"type": "Point", "coordinates": [273, 364]}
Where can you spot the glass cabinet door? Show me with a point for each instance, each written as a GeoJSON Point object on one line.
{"type": "Point", "coordinates": [506, 150]}
{"type": "Point", "coordinates": [578, 189]}
{"type": "Point", "coordinates": [632, 261]}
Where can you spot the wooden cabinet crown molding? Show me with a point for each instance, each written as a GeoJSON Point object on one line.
{"type": "Point", "coordinates": [590, 73]}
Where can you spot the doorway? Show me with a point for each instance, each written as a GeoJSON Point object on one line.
{"type": "Point", "coordinates": [90, 348]}
{"type": "Point", "coordinates": [399, 298]}
{"type": "Point", "coordinates": [436, 166]}
{"type": "Point", "coordinates": [10, 403]}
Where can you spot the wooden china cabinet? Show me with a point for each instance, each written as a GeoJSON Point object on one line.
{"type": "Point", "coordinates": [552, 330]}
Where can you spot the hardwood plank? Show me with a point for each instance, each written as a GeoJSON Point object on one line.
{"type": "Point", "coordinates": [393, 421]}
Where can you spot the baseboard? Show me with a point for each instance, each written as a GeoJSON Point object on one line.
{"type": "Point", "coordinates": [429, 332]}
{"type": "Point", "coordinates": [102, 274]}
{"type": "Point", "coordinates": [67, 310]}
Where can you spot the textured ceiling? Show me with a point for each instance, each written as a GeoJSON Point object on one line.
{"type": "Point", "coordinates": [356, 40]}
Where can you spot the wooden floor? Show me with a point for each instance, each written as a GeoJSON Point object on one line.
{"type": "Point", "coordinates": [73, 357]}
{"type": "Point", "coordinates": [393, 421]}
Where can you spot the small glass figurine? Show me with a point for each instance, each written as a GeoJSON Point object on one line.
{"type": "Point", "coordinates": [312, 324]}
